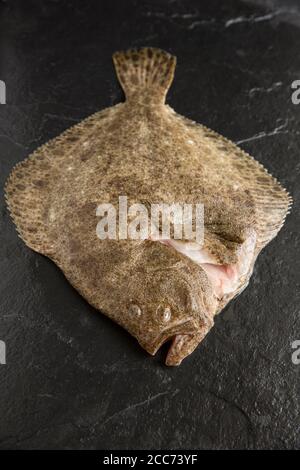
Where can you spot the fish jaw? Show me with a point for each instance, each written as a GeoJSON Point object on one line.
{"type": "Point", "coordinates": [184, 338]}
{"type": "Point", "coordinates": [184, 344]}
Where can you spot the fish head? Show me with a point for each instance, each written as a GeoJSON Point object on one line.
{"type": "Point", "coordinates": [171, 305]}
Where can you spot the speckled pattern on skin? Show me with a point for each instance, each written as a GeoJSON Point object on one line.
{"type": "Point", "coordinates": [143, 149]}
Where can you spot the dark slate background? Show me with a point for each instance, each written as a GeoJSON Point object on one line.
{"type": "Point", "coordinates": [74, 379]}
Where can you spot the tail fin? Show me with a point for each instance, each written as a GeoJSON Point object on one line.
{"type": "Point", "coordinates": [145, 74]}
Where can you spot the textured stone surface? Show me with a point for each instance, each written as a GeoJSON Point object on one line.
{"type": "Point", "coordinates": [73, 379]}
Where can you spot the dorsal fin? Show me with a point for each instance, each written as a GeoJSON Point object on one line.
{"type": "Point", "coordinates": [272, 200]}
{"type": "Point", "coordinates": [29, 185]}
{"type": "Point", "coordinates": [145, 74]}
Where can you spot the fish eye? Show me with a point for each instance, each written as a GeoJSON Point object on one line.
{"type": "Point", "coordinates": [134, 310]}
{"type": "Point", "coordinates": [164, 313]}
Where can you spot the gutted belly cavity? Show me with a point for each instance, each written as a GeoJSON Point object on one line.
{"type": "Point", "coordinates": [224, 278]}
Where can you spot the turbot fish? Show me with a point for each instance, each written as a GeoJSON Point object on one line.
{"type": "Point", "coordinates": [158, 290]}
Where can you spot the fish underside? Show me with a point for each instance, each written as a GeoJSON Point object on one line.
{"type": "Point", "coordinates": [158, 290]}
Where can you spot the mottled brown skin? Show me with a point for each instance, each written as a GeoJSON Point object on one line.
{"type": "Point", "coordinates": [143, 149]}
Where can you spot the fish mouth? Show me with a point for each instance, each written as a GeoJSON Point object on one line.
{"type": "Point", "coordinates": [184, 337]}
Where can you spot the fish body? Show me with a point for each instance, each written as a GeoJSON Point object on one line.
{"type": "Point", "coordinates": [158, 290]}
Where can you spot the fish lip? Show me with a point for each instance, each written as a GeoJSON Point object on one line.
{"type": "Point", "coordinates": [188, 327]}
